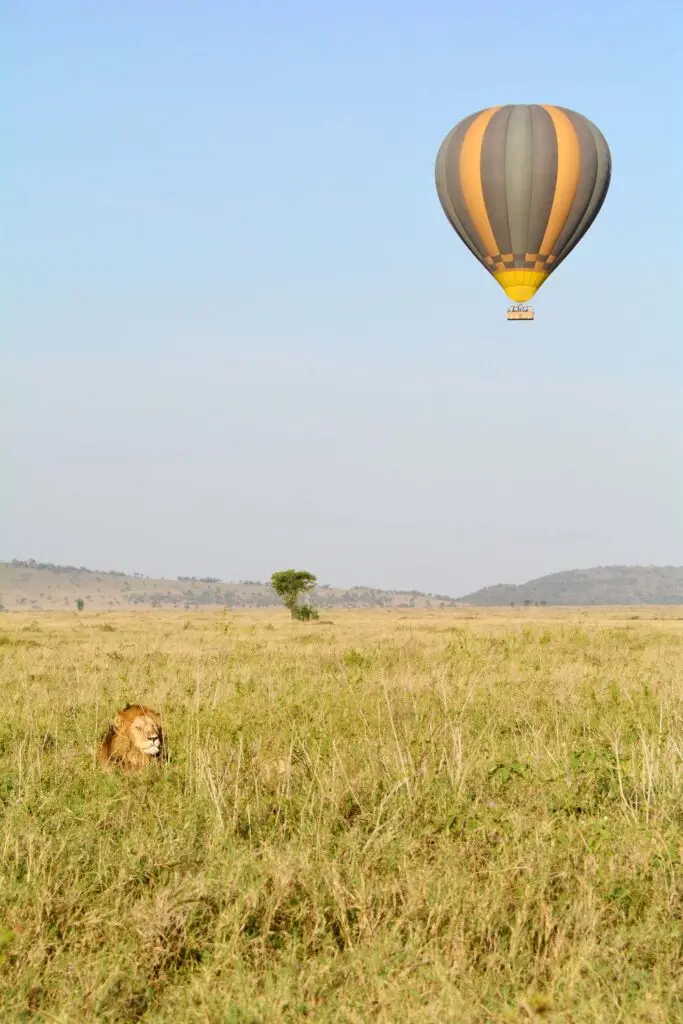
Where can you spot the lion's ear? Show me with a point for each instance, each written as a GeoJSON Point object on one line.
{"type": "Point", "coordinates": [118, 720]}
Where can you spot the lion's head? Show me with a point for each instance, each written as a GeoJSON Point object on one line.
{"type": "Point", "coordinates": [134, 739]}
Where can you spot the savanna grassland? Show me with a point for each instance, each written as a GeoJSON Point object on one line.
{"type": "Point", "coordinates": [403, 817]}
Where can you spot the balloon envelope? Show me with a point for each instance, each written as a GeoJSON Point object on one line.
{"type": "Point", "coordinates": [521, 185]}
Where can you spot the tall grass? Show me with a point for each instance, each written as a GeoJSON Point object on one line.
{"type": "Point", "coordinates": [432, 817]}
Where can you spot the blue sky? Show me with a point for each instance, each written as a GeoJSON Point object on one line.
{"type": "Point", "coordinates": [241, 335]}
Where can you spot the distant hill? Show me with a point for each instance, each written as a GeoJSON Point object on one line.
{"type": "Point", "coordinates": [42, 586]}
{"type": "Point", "coordinates": [610, 584]}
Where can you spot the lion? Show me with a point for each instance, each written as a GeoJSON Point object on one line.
{"type": "Point", "coordinates": [134, 740]}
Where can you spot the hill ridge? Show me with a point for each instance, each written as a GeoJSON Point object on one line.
{"type": "Point", "coordinates": [602, 585]}
{"type": "Point", "coordinates": [29, 584]}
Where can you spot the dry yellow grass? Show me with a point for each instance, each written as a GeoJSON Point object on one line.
{"type": "Point", "coordinates": [448, 816]}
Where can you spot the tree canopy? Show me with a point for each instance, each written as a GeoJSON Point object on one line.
{"type": "Point", "coordinates": [290, 585]}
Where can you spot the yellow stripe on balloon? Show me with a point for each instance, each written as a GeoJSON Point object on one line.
{"type": "Point", "coordinates": [568, 171]}
{"type": "Point", "coordinates": [470, 179]}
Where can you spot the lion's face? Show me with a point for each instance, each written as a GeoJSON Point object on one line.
{"type": "Point", "coordinates": [143, 726]}
{"type": "Point", "coordinates": [135, 737]}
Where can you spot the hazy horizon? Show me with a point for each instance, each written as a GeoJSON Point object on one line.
{"type": "Point", "coordinates": [241, 334]}
{"type": "Point", "coordinates": [596, 577]}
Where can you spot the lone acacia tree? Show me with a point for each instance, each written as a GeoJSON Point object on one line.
{"type": "Point", "coordinates": [290, 585]}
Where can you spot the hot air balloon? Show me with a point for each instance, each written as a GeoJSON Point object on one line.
{"type": "Point", "coordinates": [521, 185]}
